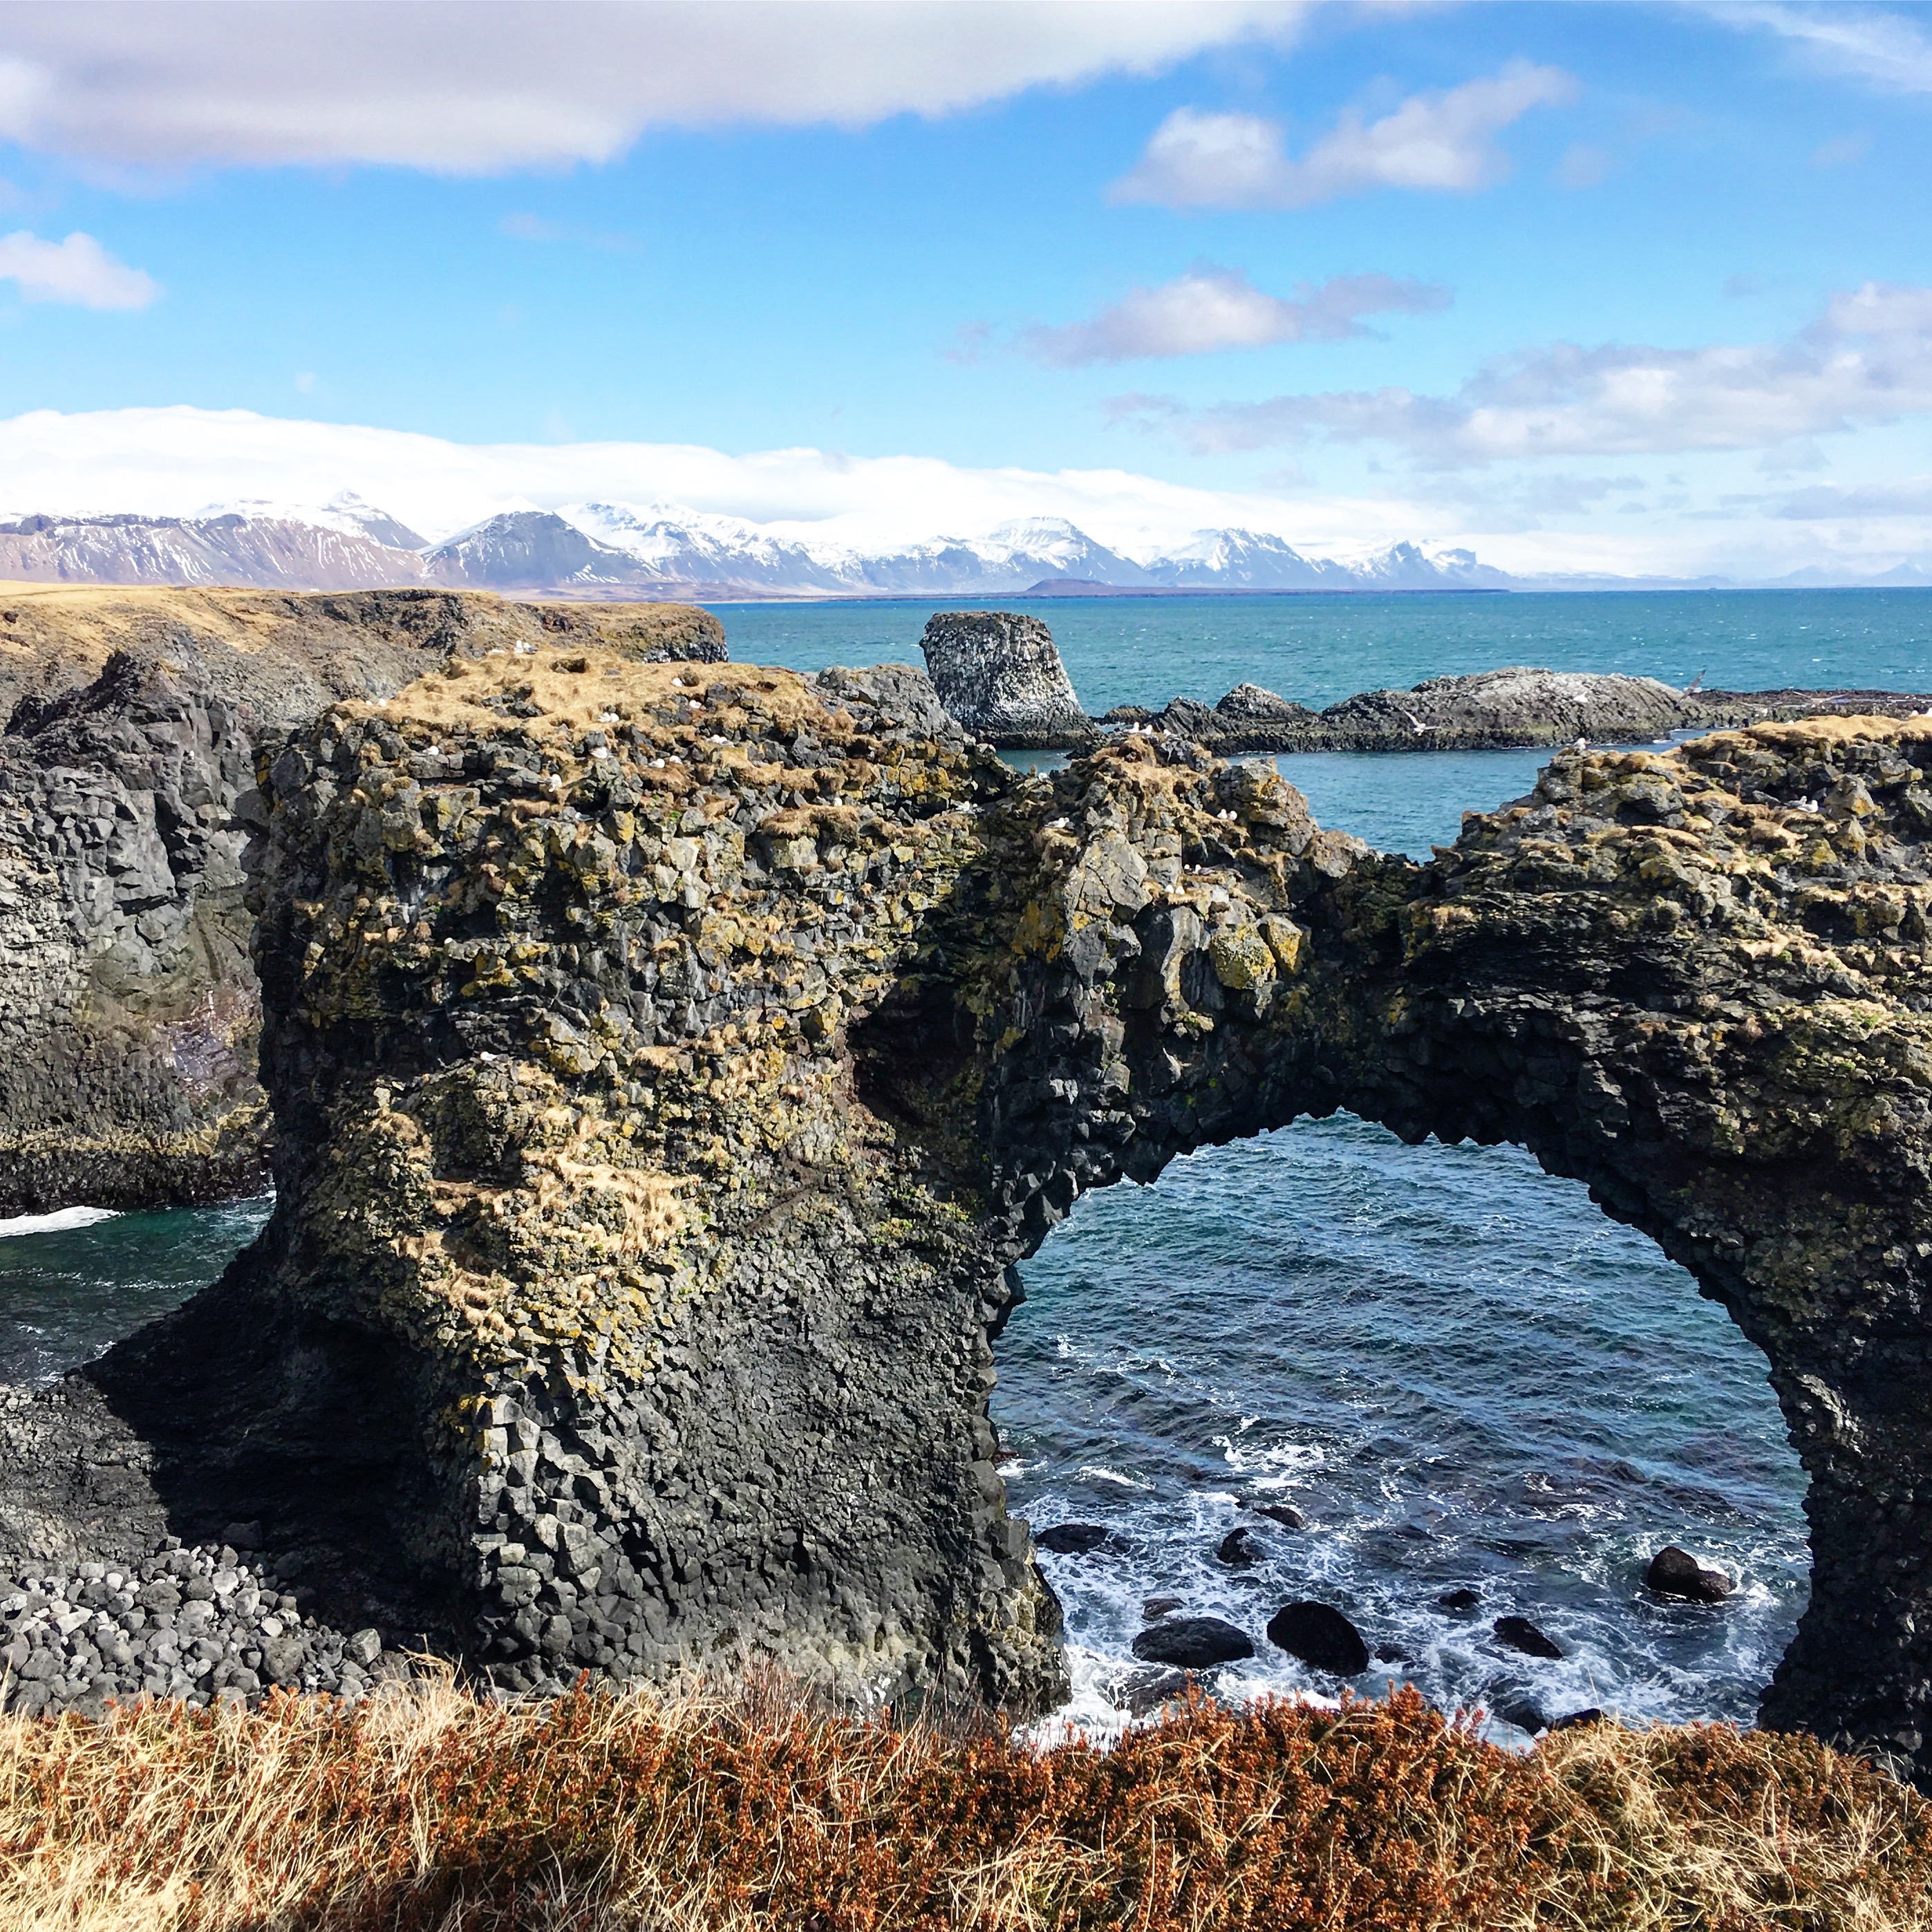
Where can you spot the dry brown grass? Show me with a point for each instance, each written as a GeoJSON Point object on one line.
{"type": "Point", "coordinates": [426, 1809]}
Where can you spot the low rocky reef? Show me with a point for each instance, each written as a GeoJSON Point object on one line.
{"type": "Point", "coordinates": [128, 1005]}
{"type": "Point", "coordinates": [670, 1062]}
{"type": "Point", "coordinates": [999, 674]}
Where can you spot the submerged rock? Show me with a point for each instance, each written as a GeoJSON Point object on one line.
{"type": "Point", "coordinates": [998, 674]}
{"type": "Point", "coordinates": [1321, 1636]}
{"type": "Point", "coordinates": [1147, 1691]}
{"type": "Point", "coordinates": [1072, 1539]}
{"type": "Point", "coordinates": [1676, 1572]}
{"type": "Point", "coordinates": [1241, 1549]}
{"type": "Point", "coordinates": [1519, 1633]}
{"type": "Point", "coordinates": [1193, 1643]}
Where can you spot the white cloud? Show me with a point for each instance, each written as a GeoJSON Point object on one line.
{"type": "Point", "coordinates": [78, 270]}
{"type": "Point", "coordinates": [1439, 141]}
{"type": "Point", "coordinates": [1210, 308]}
{"type": "Point", "coordinates": [1866, 361]}
{"type": "Point", "coordinates": [174, 461]}
{"type": "Point", "coordinates": [460, 87]}
{"type": "Point", "coordinates": [1888, 49]}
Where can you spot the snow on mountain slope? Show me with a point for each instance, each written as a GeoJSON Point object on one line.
{"type": "Point", "coordinates": [1249, 560]}
{"type": "Point", "coordinates": [531, 550]}
{"type": "Point", "coordinates": [660, 550]}
{"type": "Point", "coordinates": [271, 552]}
{"type": "Point", "coordinates": [345, 511]}
{"type": "Point", "coordinates": [700, 548]}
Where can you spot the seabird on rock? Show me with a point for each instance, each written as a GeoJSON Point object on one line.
{"type": "Point", "coordinates": [1415, 723]}
{"type": "Point", "coordinates": [1582, 744]}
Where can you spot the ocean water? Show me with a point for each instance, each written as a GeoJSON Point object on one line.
{"type": "Point", "coordinates": [1463, 1375]}
{"type": "Point", "coordinates": [1318, 650]}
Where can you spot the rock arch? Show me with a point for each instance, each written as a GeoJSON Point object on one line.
{"type": "Point", "coordinates": [667, 1078]}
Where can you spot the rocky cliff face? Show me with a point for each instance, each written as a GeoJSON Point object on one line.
{"type": "Point", "coordinates": [998, 674]}
{"type": "Point", "coordinates": [127, 1004]}
{"type": "Point", "coordinates": [670, 1067]}
{"type": "Point", "coordinates": [128, 1007]}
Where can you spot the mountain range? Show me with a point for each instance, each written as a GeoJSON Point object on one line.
{"type": "Point", "coordinates": [657, 551]}
{"type": "Point", "coordinates": [665, 552]}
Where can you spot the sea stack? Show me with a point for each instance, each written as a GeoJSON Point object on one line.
{"type": "Point", "coordinates": [998, 674]}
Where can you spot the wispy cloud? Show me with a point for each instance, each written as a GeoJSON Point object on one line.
{"type": "Point", "coordinates": [1445, 142]}
{"type": "Point", "coordinates": [1866, 360]}
{"type": "Point", "coordinates": [78, 271]}
{"type": "Point", "coordinates": [1889, 50]}
{"type": "Point", "coordinates": [1210, 308]}
{"type": "Point", "coordinates": [1827, 502]}
{"type": "Point", "coordinates": [521, 227]}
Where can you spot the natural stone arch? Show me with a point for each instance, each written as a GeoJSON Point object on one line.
{"type": "Point", "coordinates": [666, 1080]}
{"type": "Point", "coordinates": [1695, 983]}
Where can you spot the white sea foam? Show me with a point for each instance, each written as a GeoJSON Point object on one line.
{"type": "Point", "coordinates": [1096, 1472]}
{"type": "Point", "coordinates": [61, 1220]}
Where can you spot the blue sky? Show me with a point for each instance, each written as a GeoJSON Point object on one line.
{"type": "Point", "coordinates": [1628, 287]}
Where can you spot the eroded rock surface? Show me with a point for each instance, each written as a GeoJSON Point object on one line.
{"type": "Point", "coordinates": [128, 1005]}
{"type": "Point", "coordinates": [670, 1067]}
{"type": "Point", "coordinates": [999, 674]}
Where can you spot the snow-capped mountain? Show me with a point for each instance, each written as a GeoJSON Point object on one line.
{"type": "Point", "coordinates": [531, 550]}
{"type": "Point", "coordinates": [666, 550]}
{"type": "Point", "coordinates": [695, 547]}
{"type": "Point", "coordinates": [276, 551]}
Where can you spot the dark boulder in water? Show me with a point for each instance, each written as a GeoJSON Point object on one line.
{"type": "Point", "coordinates": [1676, 1572]}
{"type": "Point", "coordinates": [1250, 703]}
{"type": "Point", "coordinates": [1241, 1549]}
{"type": "Point", "coordinates": [1073, 1539]}
{"type": "Point", "coordinates": [1519, 1633]}
{"type": "Point", "coordinates": [1461, 1601]}
{"type": "Point", "coordinates": [1576, 1720]}
{"type": "Point", "coordinates": [1286, 1514]}
{"type": "Point", "coordinates": [1159, 1606]}
{"type": "Point", "coordinates": [1514, 1708]}
{"type": "Point", "coordinates": [1321, 1636]}
{"type": "Point", "coordinates": [1193, 1643]}
{"type": "Point", "coordinates": [1147, 1690]}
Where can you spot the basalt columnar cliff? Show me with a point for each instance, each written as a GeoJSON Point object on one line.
{"type": "Point", "coordinates": [671, 1063]}
{"type": "Point", "coordinates": [128, 1008]}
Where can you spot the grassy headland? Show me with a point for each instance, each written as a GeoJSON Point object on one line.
{"type": "Point", "coordinates": [425, 1808]}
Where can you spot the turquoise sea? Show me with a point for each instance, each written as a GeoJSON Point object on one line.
{"type": "Point", "coordinates": [1460, 1372]}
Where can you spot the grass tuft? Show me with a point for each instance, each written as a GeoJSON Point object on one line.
{"type": "Point", "coordinates": [427, 1811]}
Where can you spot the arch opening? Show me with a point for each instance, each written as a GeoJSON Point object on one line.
{"type": "Point", "coordinates": [1465, 1376]}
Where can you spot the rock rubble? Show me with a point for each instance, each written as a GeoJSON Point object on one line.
{"type": "Point", "coordinates": [202, 1625]}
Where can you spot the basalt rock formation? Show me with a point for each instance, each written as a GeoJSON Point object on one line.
{"type": "Point", "coordinates": [669, 1071]}
{"type": "Point", "coordinates": [128, 1006]}
{"type": "Point", "coordinates": [998, 674]}
{"type": "Point", "coordinates": [1492, 710]}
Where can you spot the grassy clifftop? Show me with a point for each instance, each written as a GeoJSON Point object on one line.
{"type": "Point", "coordinates": [425, 1809]}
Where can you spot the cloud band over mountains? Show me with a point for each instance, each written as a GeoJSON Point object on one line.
{"type": "Point", "coordinates": [1866, 360]}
